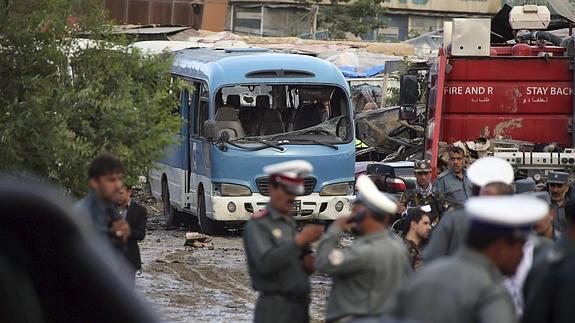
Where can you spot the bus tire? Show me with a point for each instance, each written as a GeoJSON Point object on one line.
{"type": "Point", "coordinates": [208, 226]}
{"type": "Point", "coordinates": [171, 216]}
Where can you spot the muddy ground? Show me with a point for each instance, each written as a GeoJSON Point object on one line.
{"type": "Point", "coordinates": [186, 284]}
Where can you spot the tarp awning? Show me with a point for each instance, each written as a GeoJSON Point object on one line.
{"type": "Point", "coordinates": [361, 72]}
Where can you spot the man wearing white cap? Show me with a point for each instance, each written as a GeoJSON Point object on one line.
{"type": "Point", "coordinates": [489, 176]}
{"type": "Point", "coordinates": [366, 273]}
{"type": "Point", "coordinates": [279, 259]}
{"type": "Point", "coordinates": [467, 286]}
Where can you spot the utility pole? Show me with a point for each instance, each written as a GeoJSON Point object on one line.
{"type": "Point", "coordinates": [314, 22]}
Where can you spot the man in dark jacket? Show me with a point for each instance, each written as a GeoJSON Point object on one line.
{"type": "Point", "coordinates": [106, 178]}
{"type": "Point", "coordinates": [136, 216]}
{"type": "Point", "coordinates": [551, 283]}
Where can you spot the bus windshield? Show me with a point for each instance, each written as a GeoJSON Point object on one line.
{"type": "Point", "coordinates": [287, 113]}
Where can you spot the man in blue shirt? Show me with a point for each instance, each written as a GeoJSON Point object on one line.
{"type": "Point", "coordinates": [453, 183]}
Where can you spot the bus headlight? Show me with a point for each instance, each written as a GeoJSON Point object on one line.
{"type": "Point", "coordinates": [337, 189]}
{"type": "Point", "coordinates": [226, 189]}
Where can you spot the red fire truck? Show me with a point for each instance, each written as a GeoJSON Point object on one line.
{"type": "Point", "coordinates": [518, 95]}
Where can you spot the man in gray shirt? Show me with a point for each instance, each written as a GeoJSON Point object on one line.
{"type": "Point", "coordinates": [453, 183]}
{"type": "Point", "coordinates": [467, 287]}
{"type": "Point", "coordinates": [366, 273]}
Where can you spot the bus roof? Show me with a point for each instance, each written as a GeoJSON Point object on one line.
{"type": "Point", "coordinates": [251, 66]}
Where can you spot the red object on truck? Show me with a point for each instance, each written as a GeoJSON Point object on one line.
{"type": "Point", "coordinates": [522, 92]}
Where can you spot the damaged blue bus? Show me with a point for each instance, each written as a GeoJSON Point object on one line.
{"type": "Point", "coordinates": [251, 108]}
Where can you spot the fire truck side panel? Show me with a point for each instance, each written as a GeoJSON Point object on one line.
{"type": "Point", "coordinates": [522, 98]}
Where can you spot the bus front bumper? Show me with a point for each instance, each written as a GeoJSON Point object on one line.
{"type": "Point", "coordinates": [313, 206]}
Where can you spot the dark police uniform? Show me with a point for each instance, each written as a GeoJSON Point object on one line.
{"type": "Point", "coordinates": [275, 267]}
{"type": "Point", "coordinates": [425, 196]}
{"type": "Point", "coordinates": [462, 288]}
{"type": "Point", "coordinates": [550, 286]}
{"type": "Point", "coordinates": [467, 286]}
{"type": "Point", "coordinates": [448, 236]}
{"type": "Point", "coordinates": [434, 198]}
{"type": "Point", "coordinates": [559, 222]}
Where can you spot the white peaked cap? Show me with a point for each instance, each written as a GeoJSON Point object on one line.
{"type": "Point", "coordinates": [507, 211]}
{"type": "Point", "coordinates": [372, 198]}
{"type": "Point", "coordinates": [490, 170]}
{"type": "Point", "coordinates": [292, 169]}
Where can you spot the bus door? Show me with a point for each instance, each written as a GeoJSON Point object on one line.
{"type": "Point", "coordinates": [199, 147]}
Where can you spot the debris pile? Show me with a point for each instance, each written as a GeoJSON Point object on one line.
{"type": "Point", "coordinates": [198, 240]}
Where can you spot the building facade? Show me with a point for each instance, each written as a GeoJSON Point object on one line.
{"type": "Point", "coordinates": [405, 18]}
{"type": "Point", "coordinates": [200, 14]}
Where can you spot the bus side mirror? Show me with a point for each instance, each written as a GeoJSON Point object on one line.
{"type": "Point", "coordinates": [408, 113]}
{"type": "Point", "coordinates": [210, 130]}
{"type": "Point", "coordinates": [408, 90]}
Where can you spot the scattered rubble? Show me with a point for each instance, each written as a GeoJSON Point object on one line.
{"type": "Point", "coordinates": [198, 240]}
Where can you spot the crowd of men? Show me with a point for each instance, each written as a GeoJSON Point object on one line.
{"type": "Point", "coordinates": [477, 245]}
{"type": "Point", "coordinates": [118, 219]}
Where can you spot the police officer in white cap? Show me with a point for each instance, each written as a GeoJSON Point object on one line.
{"type": "Point", "coordinates": [279, 259]}
{"type": "Point", "coordinates": [489, 176]}
{"type": "Point", "coordinates": [467, 286]}
{"type": "Point", "coordinates": [366, 273]}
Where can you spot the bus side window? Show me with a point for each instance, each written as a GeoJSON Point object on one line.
{"type": "Point", "coordinates": [198, 109]}
{"type": "Point", "coordinates": [193, 102]}
{"type": "Point", "coordinates": [203, 116]}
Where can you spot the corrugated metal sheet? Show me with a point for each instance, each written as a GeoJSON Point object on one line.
{"type": "Point", "coordinates": [138, 12]}
{"type": "Point", "coordinates": [117, 9]}
{"type": "Point", "coordinates": [170, 12]}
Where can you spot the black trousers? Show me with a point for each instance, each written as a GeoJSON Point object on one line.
{"type": "Point", "coordinates": [280, 309]}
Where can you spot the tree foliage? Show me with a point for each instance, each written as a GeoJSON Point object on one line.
{"type": "Point", "coordinates": [65, 101]}
{"type": "Point", "coordinates": [357, 17]}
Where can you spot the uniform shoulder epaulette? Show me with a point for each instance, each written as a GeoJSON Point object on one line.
{"type": "Point", "coordinates": [261, 214]}
{"type": "Point", "coordinates": [442, 174]}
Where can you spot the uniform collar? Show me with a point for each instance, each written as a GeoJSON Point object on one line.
{"type": "Point", "coordinates": [480, 260]}
{"type": "Point", "coordinates": [277, 215]}
{"type": "Point", "coordinates": [455, 175]}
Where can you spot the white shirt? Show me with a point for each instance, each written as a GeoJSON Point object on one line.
{"type": "Point", "coordinates": [515, 283]}
{"type": "Point", "coordinates": [123, 211]}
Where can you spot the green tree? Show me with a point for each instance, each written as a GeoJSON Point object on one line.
{"type": "Point", "coordinates": [357, 17]}
{"type": "Point", "coordinates": [64, 101]}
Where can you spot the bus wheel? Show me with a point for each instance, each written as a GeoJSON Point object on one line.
{"type": "Point", "coordinates": [208, 226]}
{"type": "Point", "coordinates": [169, 212]}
